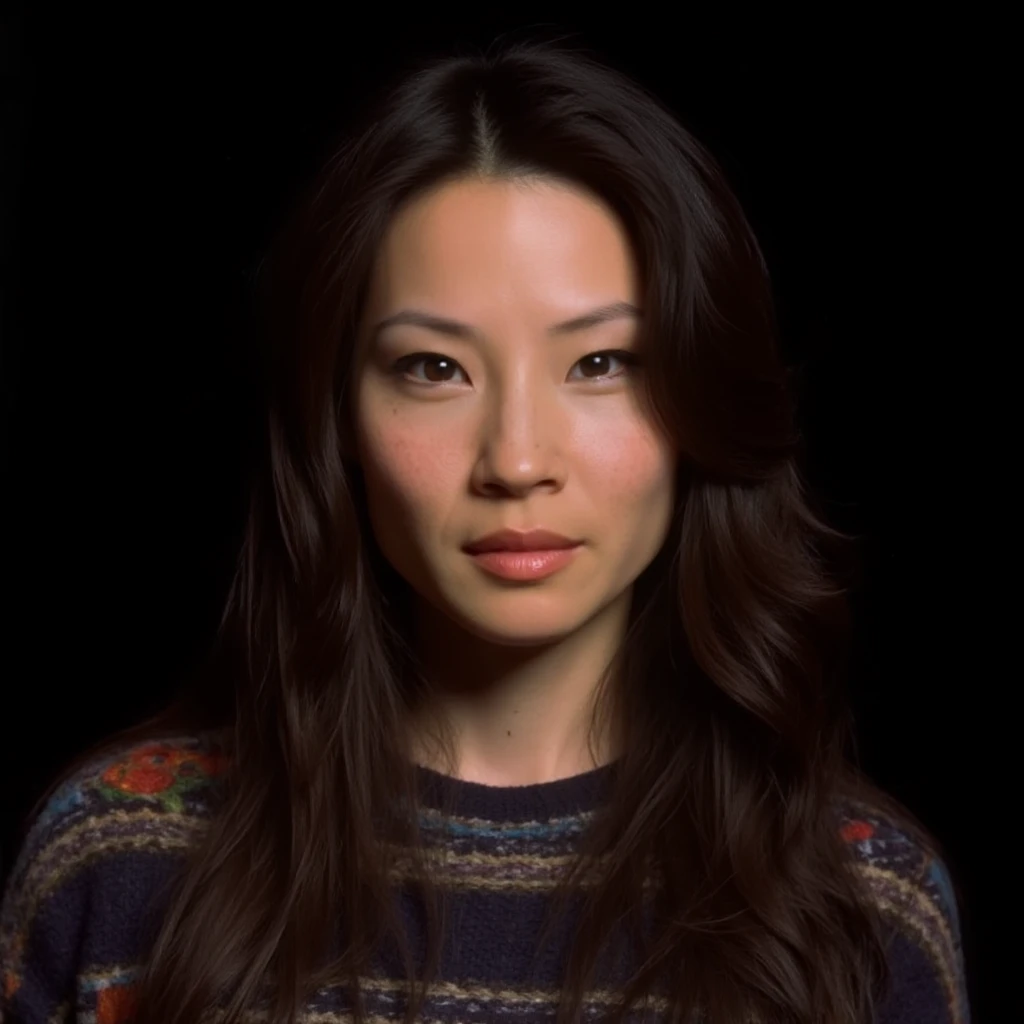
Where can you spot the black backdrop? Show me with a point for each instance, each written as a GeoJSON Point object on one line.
{"type": "Point", "coordinates": [145, 161]}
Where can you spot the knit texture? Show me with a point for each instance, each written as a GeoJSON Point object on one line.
{"type": "Point", "coordinates": [87, 889]}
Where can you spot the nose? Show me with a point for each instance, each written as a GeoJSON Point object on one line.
{"type": "Point", "coordinates": [522, 434]}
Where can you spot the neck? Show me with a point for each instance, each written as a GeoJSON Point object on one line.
{"type": "Point", "coordinates": [517, 715]}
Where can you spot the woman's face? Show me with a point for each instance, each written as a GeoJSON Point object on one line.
{"type": "Point", "coordinates": [508, 422]}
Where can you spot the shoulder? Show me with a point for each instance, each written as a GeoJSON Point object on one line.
{"type": "Point", "coordinates": [90, 873]}
{"type": "Point", "coordinates": [912, 888]}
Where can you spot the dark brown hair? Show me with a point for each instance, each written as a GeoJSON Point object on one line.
{"type": "Point", "coordinates": [737, 740]}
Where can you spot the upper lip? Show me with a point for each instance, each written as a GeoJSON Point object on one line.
{"type": "Point", "coordinates": [518, 540]}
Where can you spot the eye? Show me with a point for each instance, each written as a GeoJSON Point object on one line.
{"type": "Point", "coordinates": [597, 361]}
{"type": "Point", "coordinates": [440, 369]}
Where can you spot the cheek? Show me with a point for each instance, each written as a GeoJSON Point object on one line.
{"type": "Point", "coordinates": [410, 471]}
{"type": "Point", "coordinates": [634, 492]}
{"type": "Point", "coordinates": [628, 461]}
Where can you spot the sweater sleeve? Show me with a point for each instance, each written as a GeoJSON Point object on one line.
{"type": "Point", "coordinates": [926, 957]}
{"type": "Point", "coordinates": [89, 885]}
{"type": "Point", "coordinates": [42, 918]}
{"type": "Point", "coordinates": [913, 889]}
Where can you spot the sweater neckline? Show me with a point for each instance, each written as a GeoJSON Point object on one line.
{"type": "Point", "coordinates": [543, 801]}
{"type": "Point", "coordinates": [571, 796]}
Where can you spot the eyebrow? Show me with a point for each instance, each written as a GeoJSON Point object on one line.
{"type": "Point", "coordinates": [457, 329]}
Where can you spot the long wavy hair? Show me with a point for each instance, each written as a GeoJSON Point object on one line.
{"type": "Point", "coordinates": [738, 745]}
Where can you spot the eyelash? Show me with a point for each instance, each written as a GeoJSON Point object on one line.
{"type": "Point", "coordinates": [630, 359]}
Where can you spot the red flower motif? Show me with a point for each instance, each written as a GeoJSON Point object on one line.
{"type": "Point", "coordinates": [143, 779]}
{"type": "Point", "coordinates": [856, 831]}
{"type": "Point", "coordinates": [159, 753]}
{"type": "Point", "coordinates": [158, 767]}
{"type": "Point", "coordinates": [116, 1005]}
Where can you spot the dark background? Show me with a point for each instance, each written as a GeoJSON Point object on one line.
{"type": "Point", "coordinates": [145, 161]}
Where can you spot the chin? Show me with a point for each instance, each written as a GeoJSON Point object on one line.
{"type": "Point", "coordinates": [527, 631]}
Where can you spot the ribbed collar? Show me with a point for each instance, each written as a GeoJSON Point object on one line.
{"type": "Point", "coordinates": [538, 802]}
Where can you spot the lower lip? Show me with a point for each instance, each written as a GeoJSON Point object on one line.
{"type": "Point", "coordinates": [525, 565]}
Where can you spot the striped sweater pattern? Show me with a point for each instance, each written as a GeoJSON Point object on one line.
{"type": "Point", "coordinates": [83, 899]}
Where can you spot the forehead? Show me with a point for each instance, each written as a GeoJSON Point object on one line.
{"type": "Point", "coordinates": [540, 239]}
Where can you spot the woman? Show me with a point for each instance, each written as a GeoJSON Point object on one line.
{"type": "Point", "coordinates": [526, 695]}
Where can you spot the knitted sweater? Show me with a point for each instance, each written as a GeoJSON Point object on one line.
{"type": "Point", "coordinates": [83, 891]}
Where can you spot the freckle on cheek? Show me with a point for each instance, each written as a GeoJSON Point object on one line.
{"type": "Point", "coordinates": [416, 463]}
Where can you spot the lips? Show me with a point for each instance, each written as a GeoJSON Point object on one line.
{"type": "Point", "coordinates": [517, 540]}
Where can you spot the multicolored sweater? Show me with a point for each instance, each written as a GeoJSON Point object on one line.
{"type": "Point", "coordinates": [76, 903]}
